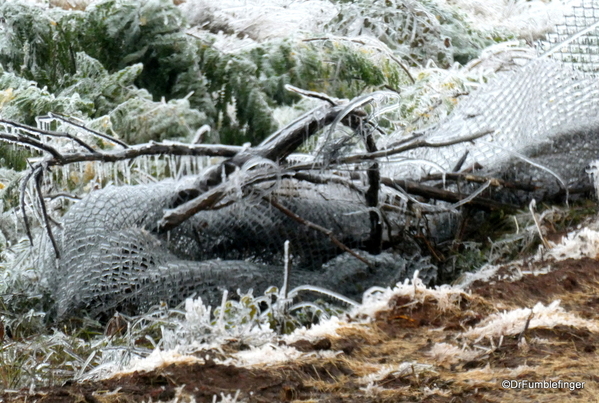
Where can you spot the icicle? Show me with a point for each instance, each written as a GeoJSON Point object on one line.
{"type": "Point", "coordinates": [99, 173]}
{"type": "Point", "coordinates": [172, 166]}
{"type": "Point", "coordinates": [196, 166]}
{"type": "Point", "coordinates": [179, 167]}
{"type": "Point", "coordinates": [187, 165]}
{"type": "Point", "coordinates": [127, 170]}
{"type": "Point", "coordinates": [155, 165]}
{"type": "Point", "coordinates": [147, 166]}
{"type": "Point", "coordinates": [115, 176]}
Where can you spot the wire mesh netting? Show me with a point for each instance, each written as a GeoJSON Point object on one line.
{"type": "Point", "coordinates": [111, 259]}
{"type": "Point", "coordinates": [576, 40]}
{"type": "Point", "coordinates": [543, 113]}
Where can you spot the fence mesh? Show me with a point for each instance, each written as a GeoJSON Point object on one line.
{"type": "Point", "coordinates": [576, 40]}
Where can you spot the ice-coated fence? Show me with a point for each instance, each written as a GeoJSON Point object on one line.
{"type": "Point", "coordinates": [576, 40]}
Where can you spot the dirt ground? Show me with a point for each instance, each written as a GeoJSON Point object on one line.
{"type": "Point", "coordinates": [406, 332]}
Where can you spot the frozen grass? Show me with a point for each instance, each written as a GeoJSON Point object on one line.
{"type": "Point", "coordinates": [377, 299]}
{"type": "Point", "coordinates": [514, 322]}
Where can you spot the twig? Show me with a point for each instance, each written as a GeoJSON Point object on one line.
{"type": "Point", "coordinates": [313, 94]}
{"type": "Point", "coordinates": [38, 187]}
{"type": "Point", "coordinates": [460, 162]}
{"type": "Point", "coordinates": [531, 207]}
{"type": "Point", "coordinates": [48, 133]}
{"type": "Point", "coordinates": [316, 227]}
{"type": "Point", "coordinates": [87, 129]}
{"type": "Point", "coordinates": [417, 143]}
{"type": "Point", "coordinates": [526, 326]}
{"type": "Point", "coordinates": [23, 189]}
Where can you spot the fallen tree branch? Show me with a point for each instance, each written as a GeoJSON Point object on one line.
{"type": "Point", "coordinates": [412, 144]}
{"type": "Point", "coordinates": [173, 218]}
{"type": "Point", "coordinates": [431, 192]}
{"type": "Point", "coordinates": [316, 227]}
{"type": "Point", "coordinates": [279, 145]}
{"type": "Point", "coordinates": [151, 148]}
{"type": "Point", "coordinates": [208, 200]}
{"type": "Point", "coordinates": [58, 158]}
{"type": "Point", "coordinates": [96, 133]}
{"type": "Point", "coordinates": [48, 133]}
{"type": "Point", "coordinates": [38, 180]}
{"type": "Point", "coordinates": [324, 179]}
{"type": "Point", "coordinates": [494, 182]}
{"type": "Point", "coordinates": [417, 143]}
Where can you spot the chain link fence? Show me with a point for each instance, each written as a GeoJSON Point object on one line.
{"type": "Point", "coordinates": [576, 40]}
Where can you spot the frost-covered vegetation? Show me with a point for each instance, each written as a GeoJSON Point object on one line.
{"type": "Point", "coordinates": [216, 72]}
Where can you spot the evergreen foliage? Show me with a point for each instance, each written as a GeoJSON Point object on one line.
{"type": "Point", "coordinates": [122, 58]}
{"type": "Point", "coordinates": [420, 30]}
{"type": "Point", "coordinates": [253, 81]}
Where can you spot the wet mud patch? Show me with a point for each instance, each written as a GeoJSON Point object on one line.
{"type": "Point", "coordinates": [407, 313]}
{"type": "Point", "coordinates": [200, 382]}
{"type": "Point", "coordinates": [564, 281]}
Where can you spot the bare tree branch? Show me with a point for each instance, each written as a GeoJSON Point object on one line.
{"type": "Point", "coordinates": [279, 145]}
{"type": "Point", "coordinates": [445, 195]}
{"type": "Point", "coordinates": [151, 148]}
{"type": "Point", "coordinates": [316, 227]}
{"type": "Point", "coordinates": [495, 182]}
{"type": "Point", "coordinates": [417, 143]}
{"type": "Point", "coordinates": [104, 136]}
{"type": "Point", "coordinates": [29, 141]}
{"type": "Point", "coordinates": [323, 179]}
{"type": "Point", "coordinates": [130, 152]}
{"type": "Point", "coordinates": [173, 218]}
{"type": "Point", "coordinates": [27, 129]}
{"type": "Point", "coordinates": [38, 180]}
{"type": "Point", "coordinates": [22, 191]}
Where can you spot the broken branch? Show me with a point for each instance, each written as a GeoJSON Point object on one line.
{"type": "Point", "coordinates": [316, 227]}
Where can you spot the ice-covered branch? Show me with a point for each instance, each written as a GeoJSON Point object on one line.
{"type": "Point", "coordinates": [417, 143]}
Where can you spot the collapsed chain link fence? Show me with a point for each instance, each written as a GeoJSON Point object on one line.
{"type": "Point", "coordinates": [576, 40]}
